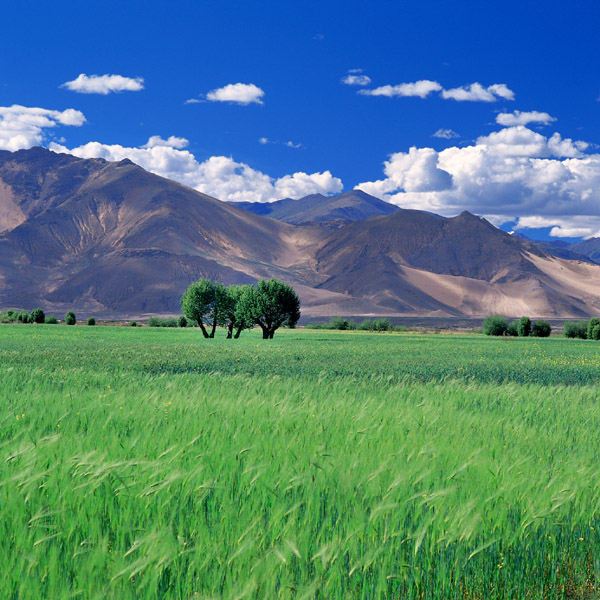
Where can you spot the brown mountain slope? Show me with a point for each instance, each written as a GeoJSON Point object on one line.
{"type": "Point", "coordinates": [110, 238]}
{"type": "Point", "coordinates": [316, 208]}
{"type": "Point", "coordinates": [118, 237]}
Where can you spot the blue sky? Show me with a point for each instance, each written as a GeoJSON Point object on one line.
{"type": "Point", "coordinates": [294, 127]}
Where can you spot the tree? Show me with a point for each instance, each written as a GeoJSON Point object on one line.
{"type": "Point", "coordinates": [38, 316]}
{"type": "Point", "coordinates": [576, 330]}
{"type": "Point", "coordinates": [182, 321]}
{"type": "Point", "coordinates": [70, 318]}
{"type": "Point", "coordinates": [24, 317]}
{"type": "Point", "coordinates": [203, 302]}
{"type": "Point", "coordinates": [495, 325]}
{"type": "Point", "coordinates": [524, 327]}
{"type": "Point", "coordinates": [541, 329]}
{"type": "Point", "coordinates": [91, 321]}
{"type": "Point", "coordinates": [270, 304]}
{"type": "Point", "coordinates": [593, 324]}
{"type": "Point", "coordinates": [234, 312]}
{"type": "Point", "coordinates": [513, 329]}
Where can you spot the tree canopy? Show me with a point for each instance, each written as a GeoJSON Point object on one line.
{"type": "Point", "coordinates": [270, 304]}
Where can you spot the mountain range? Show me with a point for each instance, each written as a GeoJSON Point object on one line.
{"type": "Point", "coordinates": [109, 238]}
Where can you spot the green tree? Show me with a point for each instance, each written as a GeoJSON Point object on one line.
{"type": "Point", "coordinates": [575, 330]}
{"type": "Point", "coordinates": [270, 304]}
{"type": "Point", "coordinates": [495, 325]}
{"type": "Point", "coordinates": [513, 329]}
{"type": "Point", "coordinates": [541, 329]}
{"type": "Point", "coordinates": [38, 316]}
{"type": "Point", "coordinates": [70, 318]}
{"type": "Point", "coordinates": [91, 321]}
{"type": "Point", "coordinates": [234, 312]}
{"type": "Point", "coordinates": [182, 321]}
{"type": "Point", "coordinates": [203, 302]}
{"type": "Point", "coordinates": [524, 327]}
{"type": "Point", "coordinates": [24, 317]}
{"type": "Point", "coordinates": [592, 324]}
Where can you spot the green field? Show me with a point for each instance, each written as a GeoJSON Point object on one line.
{"type": "Point", "coordinates": [151, 463]}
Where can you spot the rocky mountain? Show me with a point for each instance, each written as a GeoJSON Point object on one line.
{"type": "Point", "coordinates": [316, 208]}
{"type": "Point", "coordinates": [571, 251]}
{"type": "Point", "coordinates": [112, 239]}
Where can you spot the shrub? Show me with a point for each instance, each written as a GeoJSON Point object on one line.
{"type": "Point", "coordinates": [382, 325]}
{"type": "Point", "coordinates": [401, 328]}
{"type": "Point", "coordinates": [495, 325]}
{"type": "Point", "coordinates": [182, 321]}
{"type": "Point", "coordinates": [70, 318]}
{"type": "Point", "coordinates": [524, 327]}
{"type": "Point", "coordinates": [576, 329]}
{"type": "Point", "coordinates": [592, 323]}
{"type": "Point", "coordinates": [38, 316]}
{"type": "Point", "coordinates": [132, 323]}
{"type": "Point", "coordinates": [91, 321]}
{"type": "Point", "coordinates": [541, 329]}
{"type": "Point", "coordinates": [595, 332]}
{"type": "Point", "coordinates": [513, 329]}
{"type": "Point", "coordinates": [366, 325]}
{"type": "Point", "coordinates": [51, 320]}
{"type": "Point", "coordinates": [158, 322]}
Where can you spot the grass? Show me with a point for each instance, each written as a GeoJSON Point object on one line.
{"type": "Point", "coordinates": [140, 463]}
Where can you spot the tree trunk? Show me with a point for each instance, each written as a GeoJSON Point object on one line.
{"type": "Point", "coordinates": [237, 333]}
{"type": "Point", "coordinates": [230, 330]}
{"type": "Point", "coordinates": [265, 331]}
{"type": "Point", "coordinates": [271, 333]}
{"type": "Point", "coordinates": [214, 327]}
{"type": "Point", "coordinates": [204, 332]}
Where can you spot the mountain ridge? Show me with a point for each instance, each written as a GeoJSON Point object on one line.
{"type": "Point", "coordinates": [111, 238]}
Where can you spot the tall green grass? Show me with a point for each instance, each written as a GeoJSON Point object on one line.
{"type": "Point", "coordinates": [153, 464]}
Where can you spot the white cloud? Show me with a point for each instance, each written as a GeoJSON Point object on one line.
{"type": "Point", "coordinates": [23, 127]}
{"type": "Point", "coordinates": [104, 84]}
{"type": "Point", "coordinates": [356, 79]}
{"type": "Point", "coordinates": [514, 174]}
{"type": "Point", "coordinates": [263, 140]}
{"type": "Point", "coordinates": [238, 93]}
{"type": "Point", "coordinates": [171, 142]}
{"type": "Point", "coordinates": [291, 144]}
{"type": "Point", "coordinates": [446, 134]}
{"type": "Point", "coordinates": [192, 101]}
{"type": "Point", "coordinates": [421, 88]}
{"type": "Point", "coordinates": [523, 118]}
{"type": "Point", "coordinates": [218, 176]}
{"type": "Point", "coordinates": [475, 92]}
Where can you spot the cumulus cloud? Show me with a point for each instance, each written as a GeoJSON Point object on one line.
{"type": "Point", "coordinates": [171, 142]}
{"type": "Point", "coordinates": [356, 79]}
{"type": "Point", "coordinates": [104, 84]}
{"type": "Point", "coordinates": [514, 174]}
{"type": "Point", "coordinates": [523, 118]}
{"type": "Point", "coordinates": [218, 176]}
{"type": "Point", "coordinates": [238, 93]}
{"type": "Point", "coordinates": [23, 127]}
{"type": "Point", "coordinates": [475, 92]}
{"type": "Point", "coordinates": [421, 89]}
{"type": "Point", "coordinates": [446, 134]}
{"type": "Point", "coordinates": [263, 140]}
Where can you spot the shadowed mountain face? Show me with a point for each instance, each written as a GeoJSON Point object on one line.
{"type": "Point", "coordinates": [112, 239]}
{"type": "Point", "coordinates": [316, 208]}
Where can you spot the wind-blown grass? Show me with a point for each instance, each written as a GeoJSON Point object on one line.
{"type": "Point", "coordinates": [154, 464]}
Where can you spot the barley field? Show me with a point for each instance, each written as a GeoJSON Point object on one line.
{"type": "Point", "coordinates": [144, 463]}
